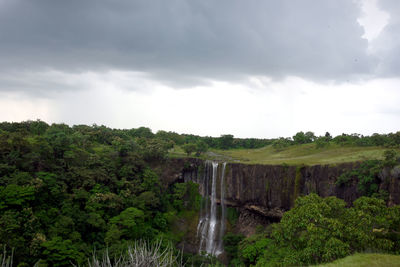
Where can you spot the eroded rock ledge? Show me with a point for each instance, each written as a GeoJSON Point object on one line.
{"type": "Point", "coordinates": [267, 191]}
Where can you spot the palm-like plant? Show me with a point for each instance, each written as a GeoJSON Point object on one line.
{"type": "Point", "coordinates": [141, 254]}
{"type": "Point", "coordinates": [6, 261]}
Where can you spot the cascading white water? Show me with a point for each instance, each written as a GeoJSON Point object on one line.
{"type": "Point", "coordinates": [211, 226]}
{"type": "Point", "coordinates": [202, 226]}
{"type": "Point", "coordinates": [210, 247]}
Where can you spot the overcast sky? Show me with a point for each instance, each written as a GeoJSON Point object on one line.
{"type": "Point", "coordinates": [257, 68]}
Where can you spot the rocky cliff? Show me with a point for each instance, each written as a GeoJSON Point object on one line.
{"type": "Point", "coordinates": [262, 193]}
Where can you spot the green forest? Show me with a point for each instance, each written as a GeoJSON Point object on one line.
{"type": "Point", "coordinates": [320, 230]}
{"type": "Point", "coordinates": [67, 193]}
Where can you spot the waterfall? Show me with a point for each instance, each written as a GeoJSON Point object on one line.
{"type": "Point", "coordinates": [210, 246]}
{"type": "Point", "coordinates": [211, 226]}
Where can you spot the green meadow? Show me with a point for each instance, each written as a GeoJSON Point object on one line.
{"type": "Point", "coordinates": [307, 154]}
{"type": "Point", "coordinates": [366, 260]}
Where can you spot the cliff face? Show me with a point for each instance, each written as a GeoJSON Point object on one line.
{"type": "Point", "coordinates": [269, 189]}
{"type": "Point", "coordinates": [263, 192]}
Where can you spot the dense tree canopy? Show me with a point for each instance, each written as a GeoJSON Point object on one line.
{"type": "Point", "coordinates": [323, 229]}
{"type": "Point", "coordinates": [67, 191]}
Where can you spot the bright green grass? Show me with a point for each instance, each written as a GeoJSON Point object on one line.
{"type": "Point", "coordinates": [306, 154]}
{"type": "Point", "coordinates": [177, 152]}
{"type": "Point", "coordinates": [366, 260]}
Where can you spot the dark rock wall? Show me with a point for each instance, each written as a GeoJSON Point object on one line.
{"type": "Point", "coordinates": [270, 187]}
{"type": "Point", "coordinates": [268, 191]}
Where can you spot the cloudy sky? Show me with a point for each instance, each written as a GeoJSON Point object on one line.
{"type": "Point", "coordinates": [257, 68]}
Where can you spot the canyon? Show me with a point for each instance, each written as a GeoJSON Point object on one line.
{"type": "Point", "coordinates": [259, 193]}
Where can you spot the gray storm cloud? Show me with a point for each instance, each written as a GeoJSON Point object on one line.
{"type": "Point", "coordinates": [186, 41]}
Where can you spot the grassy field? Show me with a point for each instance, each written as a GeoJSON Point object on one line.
{"type": "Point", "coordinates": [306, 154]}
{"type": "Point", "coordinates": [366, 260]}
{"type": "Point", "coordinates": [177, 152]}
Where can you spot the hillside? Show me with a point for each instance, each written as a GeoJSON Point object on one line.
{"type": "Point", "coordinates": [306, 154]}
{"type": "Point", "coordinates": [68, 191]}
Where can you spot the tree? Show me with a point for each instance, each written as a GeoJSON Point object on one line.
{"type": "Point", "coordinates": [143, 132]}
{"type": "Point", "coordinates": [189, 148]}
{"type": "Point", "coordinates": [303, 138]}
{"type": "Point", "coordinates": [154, 149]}
{"type": "Point", "coordinates": [226, 141]}
{"type": "Point", "coordinates": [15, 196]}
{"type": "Point", "coordinates": [201, 147]}
{"type": "Point", "coordinates": [378, 139]}
{"type": "Point", "coordinates": [281, 143]}
{"type": "Point", "coordinates": [322, 141]}
{"type": "Point", "coordinates": [314, 227]}
{"type": "Point", "coordinates": [130, 223]}
{"type": "Point", "coordinates": [310, 137]}
{"type": "Point", "coordinates": [60, 140]}
{"type": "Point", "coordinates": [59, 252]}
{"type": "Point", "coordinates": [323, 229]}
{"type": "Point", "coordinates": [231, 242]}
{"type": "Point", "coordinates": [328, 136]}
{"type": "Point", "coordinates": [390, 158]}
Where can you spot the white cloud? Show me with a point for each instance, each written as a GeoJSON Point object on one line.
{"type": "Point", "coordinates": [19, 107]}
{"type": "Point", "coordinates": [373, 19]}
{"type": "Point", "coordinates": [260, 108]}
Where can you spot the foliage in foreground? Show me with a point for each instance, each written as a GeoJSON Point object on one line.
{"type": "Point", "coordinates": [141, 254]}
{"type": "Point", "coordinates": [320, 230]}
{"type": "Point", "coordinates": [5, 259]}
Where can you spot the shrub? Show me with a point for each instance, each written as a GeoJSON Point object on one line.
{"type": "Point", "coordinates": [231, 242]}
{"type": "Point", "coordinates": [323, 229]}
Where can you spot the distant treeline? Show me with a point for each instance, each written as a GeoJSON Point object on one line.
{"type": "Point", "coordinates": [194, 143]}
{"type": "Point", "coordinates": [105, 135]}
{"type": "Point", "coordinates": [386, 140]}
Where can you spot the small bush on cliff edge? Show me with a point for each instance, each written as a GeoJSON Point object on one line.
{"type": "Point", "coordinates": [366, 176]}
{"type": "Point", "coordinates": [322, 229]}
